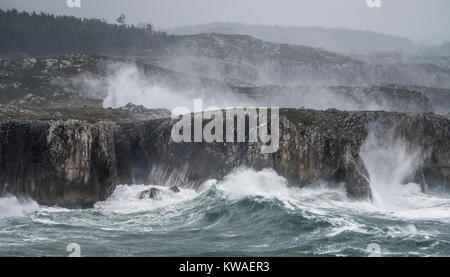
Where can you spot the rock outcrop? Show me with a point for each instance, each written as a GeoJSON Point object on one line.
{"type": "Point", "coordinates": [152, 193]}
{"type": "Point", "coordinates": [75, 163]}
{"type": "Point", "coordinates": [174, 189]}
{"type": "Point", "coordinates": [65, 163]}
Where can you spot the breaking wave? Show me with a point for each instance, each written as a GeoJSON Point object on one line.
{"type": "Point", "coordinates": [13, 207]}
{"type": "Point", "coordinates": [247, 213]}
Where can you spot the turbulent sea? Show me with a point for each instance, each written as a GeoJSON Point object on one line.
{"type": "Point", "coordinates": [248, 213]}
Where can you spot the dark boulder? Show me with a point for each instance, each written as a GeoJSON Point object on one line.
{"type": "Point", "coordinates": [175, 189]}
{"type": "Point", "coordinates": [152, 193]}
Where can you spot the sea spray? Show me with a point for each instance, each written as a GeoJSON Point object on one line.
{"type": "Point", "coordinates": [11, 206]}
{"type": "Point", "coordinates": [390, 161]}
{"type": "Point", "coordinates": [244, 182]}
{"type": "Point", "coordinates": [126, 83]}
{"type": "Point", "coordinates": [125, 199]}
{"type": "Point", "coordinates": [249, 212]}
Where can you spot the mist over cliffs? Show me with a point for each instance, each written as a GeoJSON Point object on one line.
{"type": "Point", "coordinates": [116, 109]}
{"type": "Point", "coordinates": [120, 140]}
{"type": "Point", "coordinates": [338, 39]}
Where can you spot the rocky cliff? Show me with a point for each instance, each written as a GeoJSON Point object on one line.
{"type": "Point", "coordinates": [75, 163]}
{"type": "Point", "coordinates": [65, 163]}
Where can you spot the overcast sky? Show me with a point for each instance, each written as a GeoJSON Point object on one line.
{"type": "Point", "coordinates": [417, 19]}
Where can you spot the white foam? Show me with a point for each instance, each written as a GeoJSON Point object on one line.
{"type": "Point", "coordinates": [243, 182]}
{"type": "Point", "coordinates": [125, 199]}
{"type": "Point", "coordinates": [408, 201]}
{"type": "Point", "coordinates": [12, 207]}
{"type": "Point", "coordinates": [390, 161]}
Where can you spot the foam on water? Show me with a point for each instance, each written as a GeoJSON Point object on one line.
{"type": "Point", "coordinates": [12, 207]}
{"type": "Point", "coordinates": [251, 211]}
{"type": "Point", "coordinates": [244, 182]}
{"type": "Point", "coordinates": [390, 161]}
{"type": "Point", "coordinates": [405, 202]}
{"type": "Point", "coordinates": [125, 199]}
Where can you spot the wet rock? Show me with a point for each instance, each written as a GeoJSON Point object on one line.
{"type": "Point", "coordinates": [65, 163]}
{"type": "Point", "coordinates": [76, 163]}
{"type": "Point", "coordinates": [175, 189]}
{"type": "Point", "coordinates": [152, 193]}
{"type": "Point", "coordinates": [313, 145]}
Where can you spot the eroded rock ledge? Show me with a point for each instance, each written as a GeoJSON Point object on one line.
{"type": "Point", "coordinates": [75, 163]}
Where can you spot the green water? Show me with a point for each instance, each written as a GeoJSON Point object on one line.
{"type": "Point", "coordinates": [248, 214]}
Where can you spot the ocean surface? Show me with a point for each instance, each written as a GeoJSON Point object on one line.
{"type": "Point", "coordinates": [248, 213]}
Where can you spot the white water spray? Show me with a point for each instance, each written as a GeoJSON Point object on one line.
{"type": "Point", "coordinates": [10, 206]}
{"type": "Point", "coordinates": [127, 84]}
{"type": "Point", "coordinates": [389, 161]}
{"type": "Point", "coordinates": [244, 182]}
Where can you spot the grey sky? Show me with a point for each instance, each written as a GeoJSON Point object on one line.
{"type": "Point", "coordinates": [416, 19]}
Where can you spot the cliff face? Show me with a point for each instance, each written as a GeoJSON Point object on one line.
{"type": "Point", "coordinates": [70, 164]}
{"type": "Point", "coordinates": [313, 145]}
{"type": "Point", "coordinates": [75, 163]}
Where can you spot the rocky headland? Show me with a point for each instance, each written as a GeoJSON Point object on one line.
{"type": "Point", "coordinates": [75, 162]}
